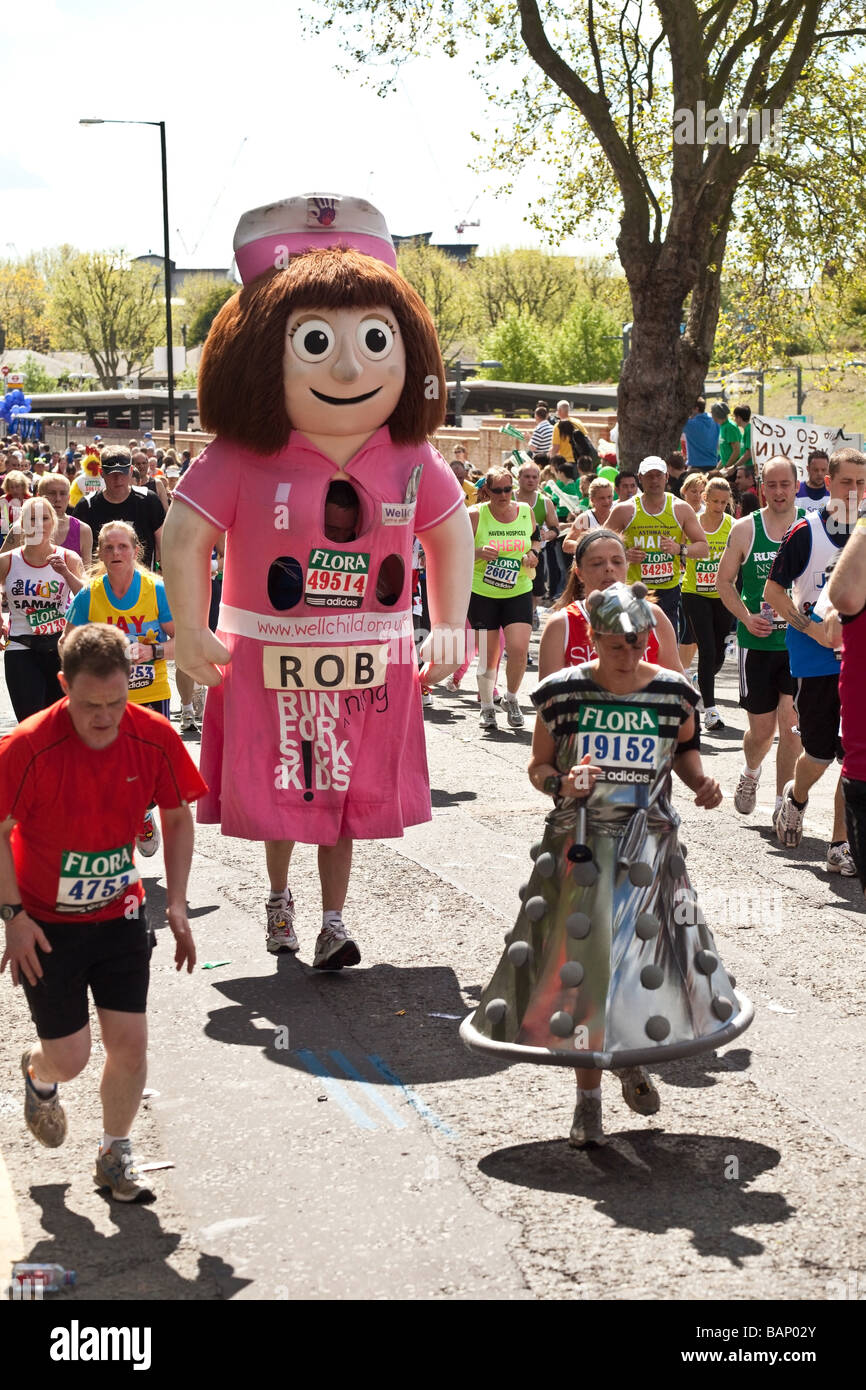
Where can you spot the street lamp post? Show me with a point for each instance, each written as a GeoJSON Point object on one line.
{"type": "Point", "coordinates": [460, 392]}
{"type": "Point", "coordinates": [166, 258]}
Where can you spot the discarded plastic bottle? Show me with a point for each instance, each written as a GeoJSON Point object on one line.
{"type": "Point", "coordinates": [50, 1278]}
{"type": "Point", "coordinates": [768, 612]}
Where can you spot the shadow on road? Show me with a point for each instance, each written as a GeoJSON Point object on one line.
{"type": "Point", "coordinates": [129, 1264]}
{"type": "Point", "coordinates": [382, 1011]}
{"type": "Point", "coordinates": [655, 1182]}
{"type": "Point", "coordinates": [696, 1073]}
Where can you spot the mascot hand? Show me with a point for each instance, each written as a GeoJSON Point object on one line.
{"type": "Point", "coordinates": [442, 652]}
{"type": "Point", "coordinates": [199, 654]}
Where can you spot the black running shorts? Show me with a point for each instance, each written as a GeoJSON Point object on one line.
{"type": "Point", "coordinates": [490, 614]}
{"type": "Point", "coordinates": [764, 676]}
{"type": "Point", "coordinates": [111, 958]}
{"type": "Point", "coordinates": [817, 706]}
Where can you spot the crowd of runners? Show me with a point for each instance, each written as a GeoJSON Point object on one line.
{"type": "Point", "coordinates": [735, 563]}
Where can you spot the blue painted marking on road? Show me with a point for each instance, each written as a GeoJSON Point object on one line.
{"type": "Point", "coordinates": [336, 1090]}
{"type": "Point", "coordinates": [369, 1090]}
{"type": "Point", "coordinates": [410, 1097]}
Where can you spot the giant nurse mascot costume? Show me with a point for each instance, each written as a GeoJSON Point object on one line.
{"type": "Point", "coordinates": [322, 380]}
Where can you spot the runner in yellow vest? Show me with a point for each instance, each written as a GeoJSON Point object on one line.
{"type": "Point", "coordinates": [660, 532]}
{"type": "Point", "coordinates": [706, 619]}
{"type": "Point", "coordinates": [507, 541]}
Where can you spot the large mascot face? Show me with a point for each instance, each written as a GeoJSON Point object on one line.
{"type": "Point", "coordinates": [343, 370]}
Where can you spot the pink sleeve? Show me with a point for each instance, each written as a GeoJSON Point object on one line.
{"type": "Point", "coordinates": [211, 484]}
{"type": "Point", "coordinates": [439, 493]}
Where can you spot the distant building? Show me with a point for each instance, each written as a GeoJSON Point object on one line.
{"type": "Point", "coordinates": [461, 251]}
{"type": "Point", "coordinates": [179, 276]}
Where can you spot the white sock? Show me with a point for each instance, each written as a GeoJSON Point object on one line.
{"type": "Point", "coordinates": [514, 694]}
{"type": "Point", "coordinates": [752, 772]}
{"type": "Point", "coordinates": [109, 1139]}
{"type": "Point", "coordinates": [594, 1094]}
{"type": "Point", "coordinates": [331, 919]}
{"type": "Point", "coordinates": [485, 688]}
{"type": "Point", "coordinates": [187, 709]}
{"type": "Point", "coordinates": [42, 1088]}
{"type": "Point", "coordinates": [283, 897]}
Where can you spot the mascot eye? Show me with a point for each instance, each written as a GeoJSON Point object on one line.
{"type": "Point", "coordinates": [375, 338]}
{"type": "Point", "coordinates": [313, 341]}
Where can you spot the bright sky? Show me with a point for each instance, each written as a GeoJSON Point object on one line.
{"type": "Point", "coordinates": [253, 113]}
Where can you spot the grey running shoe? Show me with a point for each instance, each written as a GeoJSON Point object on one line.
{"type": "Point", "coordinates": [513, 712]}
{"type": "Point", "coordinates": [189, 724]}
{"type": "Point", "coordinates": [638, 1091]}
{"type": "Point", "coordinates": [839, 860]}
{"type": "Point", "coordinates": [116, 1170]}
{"type": "Point", "coordinates": [488, 718]}
{"type": "Point", "coordinates": [335, 948]}
{"type": "Point", "coordinates": [586, 1130]}
{"type": "Point", "coordinates": [198, 695]}
{"type": "Point", "coordinates": [281, 927]}
{"type": "Point", "coordinates": [746, 794]}
{"type": "Point", "coordinates": [148, 840]}
{"type": "Point", "coordinates": [44, 1116]}
{"type": "Point", "coordinates": [713, 720]}
{"type": "Point", "coordinates": [788, 820]}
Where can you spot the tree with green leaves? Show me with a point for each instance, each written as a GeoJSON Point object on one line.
{"type": "Point", "coordinates": [632, 107]}
{"type": "Point", "coordinates": [109, 309]}
{"type": "Point", "coordinates": [23, 307]}
{"type": "Point", "coordinates": [519, 342]}
{"type": "Point", "coordinates": [203, 298]}
{"type": "Point", "coordinates": [441, 283]}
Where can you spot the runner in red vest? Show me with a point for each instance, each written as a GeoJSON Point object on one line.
{"type": "Point", "coordinates": [599, 561]}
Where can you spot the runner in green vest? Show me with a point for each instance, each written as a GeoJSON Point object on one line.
{"type": "Point", "coordinates": [707, 620]}
{"type": "Point", "coordinates": [507, 541]}
{"type": "Point", "coordinates": [766, 684]}
{"type": "Point", "coordinates": [547, 571]}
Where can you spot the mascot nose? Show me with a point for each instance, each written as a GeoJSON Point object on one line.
{"type": "Point", "coordinates": [346, 366]}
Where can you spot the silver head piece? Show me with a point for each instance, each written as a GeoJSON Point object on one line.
{"type": "Point", "coordinates": [621, 609]}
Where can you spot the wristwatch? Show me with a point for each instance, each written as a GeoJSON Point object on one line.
{"type": "Point", "coordinates": [683, 549]}
{"type": "Point", "coordinates": [158, 651]}
{"type": "Point", "coordinates": [552, 785]}
{"type": "Point", "coordinates": [10, 910]}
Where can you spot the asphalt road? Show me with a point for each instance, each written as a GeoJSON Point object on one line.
{"type": "Point", "coordinates": [331, 1138]}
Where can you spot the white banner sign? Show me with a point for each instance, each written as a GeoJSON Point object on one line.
{"type": "Point", "coordinates": [792, 439]}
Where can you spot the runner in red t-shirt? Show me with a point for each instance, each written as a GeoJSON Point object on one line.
{"type": "Point", "coordinates": [75, 780]}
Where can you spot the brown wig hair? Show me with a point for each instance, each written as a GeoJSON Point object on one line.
{"type": "Point", "coordinates": [240, 383]}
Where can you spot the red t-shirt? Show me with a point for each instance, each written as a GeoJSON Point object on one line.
{"type": "Point", "coordinates": [78, 809]}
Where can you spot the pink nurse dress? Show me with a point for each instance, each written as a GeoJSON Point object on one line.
{"type": "Point", "coordinates": [316, 731]}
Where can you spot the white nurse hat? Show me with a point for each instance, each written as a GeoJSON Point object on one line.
{"type": "Point", "coordinates": [269, 236]}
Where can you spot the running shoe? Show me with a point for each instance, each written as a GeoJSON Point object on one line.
{"type": "Point", "coordinates": [586, 1130]}
{"type": "Point", "coordinates": [116, 1170]}
{"type": "Point", "coordinates": [148, 841]}
{"type": "Point", "coordinates": [488, 719]}
{"type": "Point", "coordinates": [426, 697]}
{"type": "Point", "coordinates": [198, 695]}
{"type": "Point", "coordinates": [281, 926]}
{"type": "Point", "coordinates": [746, 794]}
{"type": "Point", "coordinates": [839, 861]}
{"type": "Point", "coordinates": [530, 662]}
{"type": "Point", "coordinates": [536, 621]}
{"type": "Point", "coordinates": [713, 720]}
{"type": "Point", "coordinates": [731, 646]}
{"type": "Point", "coordinates": [789, 821]}
{"type": "Point", "coordinates": [638, 1091]}
{"type": "Point", "coordinates": [189, 724]}
{"type": "Point", "coordinates": [44, 1116]}
{"type": "Point", "coordinates": [513, 711]}
{"type": "Point", "coordinates": [452, 685]}
{"type": "Point", "coordinates": [335, 948]}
